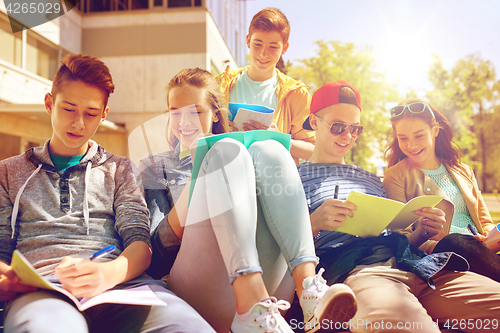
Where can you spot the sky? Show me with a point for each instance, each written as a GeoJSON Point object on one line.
{"type": "Point", "coordinates": [403, 34]}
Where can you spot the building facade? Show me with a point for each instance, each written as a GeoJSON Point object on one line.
{"type": "Point", "coordinates": [143, 42]}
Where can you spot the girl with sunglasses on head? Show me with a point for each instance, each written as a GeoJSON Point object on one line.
{"type": "Point", "coordinates": [423, 160]}
{"type": "Point", "coordinates": [245, 228]}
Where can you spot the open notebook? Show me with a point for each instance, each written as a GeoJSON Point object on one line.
{"type": "Point", "coordinates": [141, 295]}
{"type": "Point", "coordinates": [374, 214]}
{"type": "Point", "coordinates": [242, 113]}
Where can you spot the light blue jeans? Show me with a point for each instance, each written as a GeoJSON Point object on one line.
{"type": "Point", "coordinates": [47, 311]}
{"type": "Point", "coordinates": [248, 213]}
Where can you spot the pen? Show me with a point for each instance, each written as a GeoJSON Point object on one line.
{"type": "Point", "coordinates": [471, 229]}
{"type": "Point", "coordinates": [336, 193]}
{"type": "Point", "coordinates": [98, 254]}
{"type": "Point", "coordinates": [103, 252]}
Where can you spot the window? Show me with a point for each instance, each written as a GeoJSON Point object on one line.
{"type": "Point", "coordinates": [87, 6]}
{"type": "Point", "coordinates": [11, 50]}
{"type": "Point", "coordinates": [120, 4]}
{"type": "Point", "coordinates": [229, 15]}
{"type": "Point", "coordinates": [11, 145]}
{"type": "Point", "coordinates": [179, 3]}
{"type": "Point", "coordinates": [100, 6]}
{"type": "Point", "coordinates": [41, 57]}
{"type": "Point", "coordinates": [139, 4]}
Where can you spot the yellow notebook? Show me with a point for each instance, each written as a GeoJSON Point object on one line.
{"type": "Point", "coordinates": [374, 214]}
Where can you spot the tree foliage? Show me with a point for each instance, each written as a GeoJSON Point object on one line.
{"type": "Point", "coordinates": [468, 96]}
{"type": "Point", "coordinates": [343, 61]}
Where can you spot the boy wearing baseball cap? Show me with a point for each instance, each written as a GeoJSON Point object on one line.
{"type": "Point", "coordinates": [336, 105]}
{"type": "Point", "coordinates": [397, 286]}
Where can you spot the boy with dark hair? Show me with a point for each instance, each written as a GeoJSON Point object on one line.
{"type": "Point", "coordinates": [261, 83]}
{"type": "Point", "coordinates": [397, 286]}
{"type": "Point", "coordinates": [62, 202]}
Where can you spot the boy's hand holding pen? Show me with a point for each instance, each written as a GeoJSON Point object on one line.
{"type": "Point", "coordinates": [96, 255]}
{"type": "Point", "coordinates": [331, 213]}
{"type": "Point", "coordinates": [83, 278]}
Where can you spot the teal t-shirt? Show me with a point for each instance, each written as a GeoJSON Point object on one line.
{"type": "Point", "coordinates": [247, 91]}
{"type": "Point", "coordinates": [461, 216]}
{"type": "Point", "coordinates": [62, 163]}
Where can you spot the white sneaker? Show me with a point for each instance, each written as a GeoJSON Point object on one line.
{"type": "Point", "coordinates": [264, 317]}
{"type": "Point", "coordinates": [336, 304]}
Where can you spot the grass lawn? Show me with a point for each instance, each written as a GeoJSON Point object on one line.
{"type": "Point", "coordinates": [491, 195]}
{"type": "Point", "coordinates": [495, 216]}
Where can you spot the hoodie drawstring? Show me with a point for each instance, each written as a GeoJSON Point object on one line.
{"type": "Point", "coordinates": [15, 209]}
{"type": "Point", "coordinates": [85, 200]}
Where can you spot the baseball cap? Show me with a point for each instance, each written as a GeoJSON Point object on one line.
{"type": "Point", "coordinates": [329, 94]}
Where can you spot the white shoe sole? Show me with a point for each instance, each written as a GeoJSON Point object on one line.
{"type": "Point", "coordinates": [338, 305]}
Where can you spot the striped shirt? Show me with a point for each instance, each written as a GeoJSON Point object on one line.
{"type": "Point", "coordinates": [319, 182]}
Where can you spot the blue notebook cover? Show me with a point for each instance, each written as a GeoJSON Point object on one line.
{"type": "Point", "coordinates": [234, 107]}
{"type": "Point", "coordinates": [246, 138]}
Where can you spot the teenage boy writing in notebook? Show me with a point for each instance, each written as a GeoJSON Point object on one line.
{"type": "Point", "coordinates": [64, 201]}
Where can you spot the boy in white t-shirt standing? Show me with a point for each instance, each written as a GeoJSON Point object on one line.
{"type": "Point", "coordinates": [261, 83]}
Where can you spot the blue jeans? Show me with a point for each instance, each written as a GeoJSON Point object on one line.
{"type": "Point", "coordinates": [248, 213]}
{"type": "Point", "coordinates": [47, 311]}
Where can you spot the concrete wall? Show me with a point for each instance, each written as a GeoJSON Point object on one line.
{"type": "Point", "coordinates": [18, 86]}
{"type": "Point", "coordinates": [218, 53]}
{"type": "Point", "coordinates": [71, 31]}
{"type": "Point", "coordinates": [145, 49]}
{"type": "Point", "coordinates": [24, 127]}
{"type": "Point", "coordinates": [40, 131]}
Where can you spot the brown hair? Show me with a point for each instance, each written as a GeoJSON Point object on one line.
{"type": "Point", "coordinates": [445, 149]}
{"type": "Point", "coordinates": [202, 79]}
{"type": "Point", "coordinates": [85, 68]}
{"type": "Point", "coordinates": [270, 19]}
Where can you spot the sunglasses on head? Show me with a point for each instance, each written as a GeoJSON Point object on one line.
{"type": "Point", "coordinates": [417, 107]}
{"type": "Point", "coordinates": [340, 127]}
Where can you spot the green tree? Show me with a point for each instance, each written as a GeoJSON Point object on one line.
{"type": "Point", "coordinates": [344, 61]}
{"type": "Point", "coordinates": [467, 95]}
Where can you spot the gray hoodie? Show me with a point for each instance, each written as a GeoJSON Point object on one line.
{"type": "Point", "coordinates": [93, 204]}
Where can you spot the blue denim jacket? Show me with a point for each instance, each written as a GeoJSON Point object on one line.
{"type": "Point", "coordinates": [340, 253]}
{"type": "Point", "coordinates": [164, 177]}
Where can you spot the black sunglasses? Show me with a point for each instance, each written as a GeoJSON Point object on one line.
{"type": "Point", "coordinates": [340, 127]}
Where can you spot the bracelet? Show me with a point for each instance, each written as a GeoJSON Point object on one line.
{"type": "Point", "coordinates": [317, 236]}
